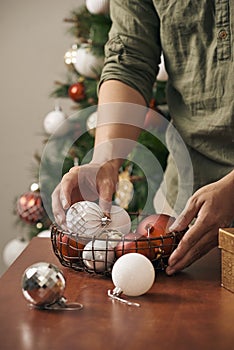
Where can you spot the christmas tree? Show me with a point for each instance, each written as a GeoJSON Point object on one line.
{"type": "Point", "coordinates": [69, 141]}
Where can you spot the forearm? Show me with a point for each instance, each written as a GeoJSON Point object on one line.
{"type": "Point", "coordinates": [121, 114]}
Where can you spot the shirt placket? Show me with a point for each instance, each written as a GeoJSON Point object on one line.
{"type": "Point", "coordinates": [223, 30]}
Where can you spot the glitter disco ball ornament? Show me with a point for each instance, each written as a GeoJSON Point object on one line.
{"type": "Point", "coordinates": [43, 284]}
{"type": "Point", "coordinates": [86, 218]}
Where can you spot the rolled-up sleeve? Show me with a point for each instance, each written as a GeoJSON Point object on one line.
{"type": "Point", "coordinates": [132, 53]}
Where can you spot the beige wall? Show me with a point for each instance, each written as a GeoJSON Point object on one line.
{"type": "Point", "coordinates": [33, 42]}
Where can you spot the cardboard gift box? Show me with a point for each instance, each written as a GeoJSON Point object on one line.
{"type": "Point", "coordinates": [226, 244]}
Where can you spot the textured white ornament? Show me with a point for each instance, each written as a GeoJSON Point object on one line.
{"type": "Point", "coordinates": [87, 219]}
{"type": "Point", "coordinates": [88, 64]}
{"type": "Point", "coordinates": [162, 74]}
{"type": "Point", "coordinates": [133, 274]}
{"type": "Point", "coordinates": [98, 6]}
{"type": "Point", "coordinates": [55, 123]}
{"type": "Point", "coordinates": [98, 255]}
{"type": "Point", "coordinates": [12, 250]}
{"type": "Point", "coordinates": [112, 236]}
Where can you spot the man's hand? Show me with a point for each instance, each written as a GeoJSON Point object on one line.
{"type": "Point", "coordinates": [213, 207]}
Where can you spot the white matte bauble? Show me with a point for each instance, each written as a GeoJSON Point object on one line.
{"type": "Point", "coordinates": [133, 274]}
{"type": "Point", "coordinates": [162, 74]}
{"type": "Point", "coordinates": [98, 6]}
{"type": "Point", "coordinates": [98, 255]}
{"type": "Point", "coordinates": [87, 63]}
{"type": "Point", "coordinates": [55, 123]}
{"type": "Point", "coordinates": [12, 250]}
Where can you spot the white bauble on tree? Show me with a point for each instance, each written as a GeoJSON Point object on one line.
{"type": "Point", "coordinates": [162, 74]}
{"type": "Point", "coordinates": [87, 63]}
{"type": "Point", "coordinates": [98, 6]}
{"type": "Point", "coordinates": [12, 250]}
{"type": "Point", "coordinates": [55, 122]}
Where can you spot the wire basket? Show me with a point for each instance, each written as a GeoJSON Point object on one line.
{"type": "Point", "coordinates": [98, 254]}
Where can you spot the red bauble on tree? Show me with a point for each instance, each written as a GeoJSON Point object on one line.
{"type": "Point", "coordinates": [30, 208]}
{"type": "Point", "coordinates": [77, 91]}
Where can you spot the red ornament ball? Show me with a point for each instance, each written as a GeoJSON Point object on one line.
{"type": "Point", "coordinates": [30, 207]}
{"type": "Point", "coordinates": [135, 243]}
{"type": "Point", "coordinates": [77, 92]}
{"type": "Point", "coordinates": [157, 226]}
{"type": "Point", "coordinates": [69, 248]}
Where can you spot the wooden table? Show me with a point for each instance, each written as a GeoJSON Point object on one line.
{"type": "Point", "coordinates": [187, 311]}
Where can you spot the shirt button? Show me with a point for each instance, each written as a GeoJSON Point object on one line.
{"type": "Point", "coordinates": [222, 34]}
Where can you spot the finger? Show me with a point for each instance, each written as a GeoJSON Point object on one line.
{"type": "Point", "coordinates": [106, 188]}
{"type": "Point", "coordinates": [186, 216]}
{"type": "Point", "coordinates": [190, 239]}
{"type": "Point", "coordinates": [203, 246]}
{"type": "Point", "coordinates": [58, 212]}
{"type": "Point", "coordinates": [68, 183]}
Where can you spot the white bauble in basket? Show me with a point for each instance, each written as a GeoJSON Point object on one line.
{"type": "Point", "coordinates": [98, 255]}
{"type": "Point", "coordinates": [98, 6]}
{"type": "Point", "coordinates": [87, 63]}
{"type": "Point", "coordinates": [87, 219]}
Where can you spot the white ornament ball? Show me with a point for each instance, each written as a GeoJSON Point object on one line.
{"type": "Point", "coordinates": [113, 236]}
{"type": "Point", "coordinates": [133, 274]}
{"type": "Point", "coordinates": [162, 74]}
{"type": "Point", "coordinates": [87, 63]}
{"type": "Point", "coordinates": [98, 6]}
{"type": "Point", "coordinates": [86, 218]}
{"type": "Point", "coordinates": [12, 250]}
{"type": "Point", "coordinates": [98, 256]}
{"type": "Point", "coordinates": [55, 122]}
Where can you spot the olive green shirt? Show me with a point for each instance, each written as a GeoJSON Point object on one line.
{"type": "Point", "coordinates": [197, 40]}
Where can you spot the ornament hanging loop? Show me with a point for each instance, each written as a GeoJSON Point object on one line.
{"type": "Point", "coordinates": [115, 295]}
{"type": "Point", "coordinates": [60, 305]}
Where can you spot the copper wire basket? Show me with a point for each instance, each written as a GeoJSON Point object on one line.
{"type": "Point", "coordinates": [100, 254]}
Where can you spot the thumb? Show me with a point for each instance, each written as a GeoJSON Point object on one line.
{"type": "Point", "coordinates": [106, 189]}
